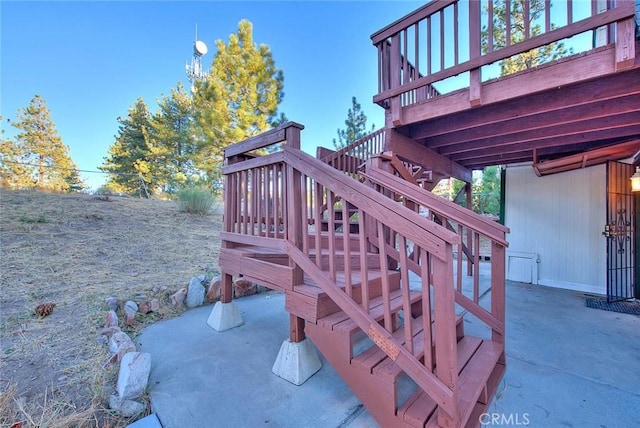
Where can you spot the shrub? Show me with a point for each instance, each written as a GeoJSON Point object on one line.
{"type": "Point", "coordinates": [195, 200]}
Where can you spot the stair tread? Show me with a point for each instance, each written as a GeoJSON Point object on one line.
{"type": "Point", "coordinates": [341, 322]}
{"type": "Point", "coordinates": [476, 361]}
{"type": "Point", "coordinates": [376, 361]}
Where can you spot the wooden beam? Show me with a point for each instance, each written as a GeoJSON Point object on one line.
{"type": "Point", "coordinates": [582, 112]}
{"type": "Point", "coordinates": [551, 101]}
{"type": "Point", "coordinates": [406, 148]}
{"type": "Point", "coordinates": [626, 124]}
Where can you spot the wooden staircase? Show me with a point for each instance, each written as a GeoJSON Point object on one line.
{"type": "Point", "coordinates": [379, 299]}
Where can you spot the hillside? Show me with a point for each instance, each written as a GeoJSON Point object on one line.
{"type": "Point", "coordinates": [75, 250]}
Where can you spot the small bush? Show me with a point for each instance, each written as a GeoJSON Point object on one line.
{"type": "Point", "coordinates": [39, 219]}
{"type": "Point", "coordinates": [195, 200]}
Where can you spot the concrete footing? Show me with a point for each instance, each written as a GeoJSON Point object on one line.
{"type": "Point", "coordinates": [297, 361]}
{"type": "Point", "coordinates": [224, 316]}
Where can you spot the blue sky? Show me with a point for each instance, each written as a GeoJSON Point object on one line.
{"type": "Point", "coordinates": [91, 60]}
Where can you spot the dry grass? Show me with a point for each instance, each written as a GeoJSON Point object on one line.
{"type": "Point", "coordinates": [76, 250]}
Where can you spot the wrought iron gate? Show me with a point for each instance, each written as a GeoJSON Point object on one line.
{"type": "Point", "coordinates": [619, 231]}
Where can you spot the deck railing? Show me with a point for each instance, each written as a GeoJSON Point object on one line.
{"type": "Point", "coordinates": [473, 231]}
{"type": "Point", "coordinates": [446, 38]}
{"type": "Point", "coordinates": [395, 234]}
{"type": "Point", "coordinates": [277, 200]}
{"type": "Point", "coordinates": [349, 158]}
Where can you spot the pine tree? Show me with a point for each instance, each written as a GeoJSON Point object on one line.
{"type": "Point", "coordinates": [130, 160]}
{"type": "Point", "coordinates": [528, 59]}
{"type": "Point", "coordinates": [356, 126]}
{"type": "Point", "coordinates": [238, 100]}
{"type": "Point", "coordinates": [37, 156]}
{"type": "Point", "coordinates": [174, 143]}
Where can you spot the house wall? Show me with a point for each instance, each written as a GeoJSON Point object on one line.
{"type": "Point", "coordinates": [556, 224]}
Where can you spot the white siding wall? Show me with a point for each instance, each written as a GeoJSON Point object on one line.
{"type": "Point", "coordinates": [560, 218]}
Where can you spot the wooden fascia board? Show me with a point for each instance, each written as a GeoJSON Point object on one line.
{"type": "Point", "coordinates": [549, 101]}
{"type": "Point", "coordinates": [586, 159]}
{"type": "Point", "coordinates": [417, 154]}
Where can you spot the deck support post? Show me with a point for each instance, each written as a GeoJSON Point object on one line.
{"type": "Point", "coordinates": [225, 314]}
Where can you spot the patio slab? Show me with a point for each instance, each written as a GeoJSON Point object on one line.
{"type": "Point", "coordinates": [567, 365]}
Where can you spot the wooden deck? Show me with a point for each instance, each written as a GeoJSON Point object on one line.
{"type": "Point", "coordinates": [372, 264]}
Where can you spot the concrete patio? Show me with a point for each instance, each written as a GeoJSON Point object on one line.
{"type": "Point", "coordinates": [567, 366]}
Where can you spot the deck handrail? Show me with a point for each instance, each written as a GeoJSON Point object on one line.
{"type": "Point", "coordinates": [395, 78]}
{"type": "Point", "coordinates": [389, 229]}
{"type": "Point", "coordinates": [349, 158]}
{"type": "Point", "coordinates": [464, 222]}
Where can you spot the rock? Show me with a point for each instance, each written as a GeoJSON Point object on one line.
{"type": "Point", "coordinates": [155, 305]}
{"type": "Point", "coordinates": [157, 289]}
{"type": "Point", "coordinates": [195, 293]}
{"type": "Point", "coordinates": [134, 374]}
{"type": "Point", "coordinates": [126, 408]}
{"type": "Point", "coordinates": [112, 303]}
{"type": "Point", "coordinates": [110, 331]}
{"type": "Point", "coordinates": [214, 289]}
{"type": "Point", "coordinates": [103, 339]}
{"type": "Point", "coordinates": [242, 288]}
{"type": "Point", "coordinates": [117, 340]}
{"type": "Point", "coordinates": [177, 298]}
{"type": "Point", "coordinates": [112, 319]}
{"type": "Point", "coordinates": [125, 348]}
{"type": "Point", "coordinates": [202, 278]}
{"type": "Point", "coordinates": [144, 307]}
{"type": "Point", "coordinates": [130, 311]}
{"type": "Point", "coordinates": [141, 297]}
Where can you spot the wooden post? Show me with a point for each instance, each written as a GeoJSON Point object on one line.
{"type": "Point", "coordinates": [296, 329]}
{"type": "Point", "coordinates": [445, 330]}
{"type": "Point", "coordinates": [475, 77]}
{"type": "Point", "coordinates": [625, 44]}
{"type": "Point", "coordinates": [226, 294]}
{"type": "Point", "coordinates": [468, 189]}
{"type": "Point", "coordinates": [396, 69]}
{"type": "Point", "coordinates": [497, 287]}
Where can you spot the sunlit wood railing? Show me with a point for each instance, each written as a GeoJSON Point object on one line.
{"type": "Point", "coordinates": [349, 158]}
{"type": "Point", "coordinates": [396, 235]}
{"type": "Point", "coordinates": [446, 38]}
{"type": "Point", "coordinates": [255, 191]}
{"type": "Point", "coordinates": [472, 229]}
{"type": "Point", "coordinates": [277, 200]}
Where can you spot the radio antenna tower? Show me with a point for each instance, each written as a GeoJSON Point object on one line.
{"type": "Point", "coordinates": [195, 71]}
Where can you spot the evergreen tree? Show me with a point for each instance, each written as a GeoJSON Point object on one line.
{"type": "Point", "coordinates": [174, 144]}
{"type": "Point", "coordinates": [37, 157]}
{"type": "Point", "coordinates": [525, 60]}
{"type": "Point", "coordinates": [238, 100]}
{"type": "Point", "coordinates": [356, 126]}
{"type": "Point", "coordinates": [130, 160]}
{"type": "Point", "coordinates": [486, 191]}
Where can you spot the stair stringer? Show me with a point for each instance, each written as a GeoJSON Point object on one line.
{"type": "Point", "coordinates": [376, 394]}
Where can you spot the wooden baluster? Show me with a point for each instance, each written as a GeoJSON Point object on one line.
{"type": "Point", "coordinates": [406, 295]}
{"type": "Point", "coordinates": [386, 303]}
{"type": "Point", "coordinates": [476, 263]}
{"type": "Point", "coordinates": [425, 276]}
{"type": "Point", "coordinates": [364, 264]}
{"type": "Point", "coordinates": [459, 260]}
{"type": "Point", "coordinates": [346, 236]}
{"type": "Point", "coordinates": [318, 223]}
{"type": "Point", "coordinates": [332, 235]}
